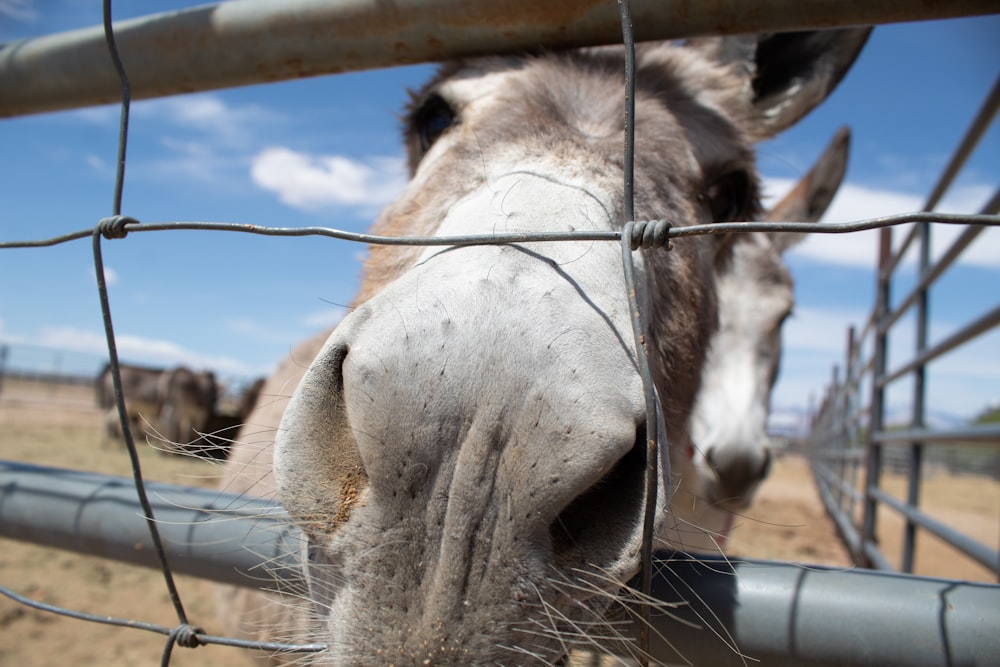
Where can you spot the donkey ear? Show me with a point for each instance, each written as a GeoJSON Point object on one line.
{"type": "Point", "coordinates": [786, 74]}
{"type": "Point", "coordinates": [811, 196]}
{"type": "Point", "coordinates": [795, 71]}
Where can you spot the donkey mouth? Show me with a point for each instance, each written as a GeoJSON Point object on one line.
{"type": "Point", "coordinates": [735, 480]}
{"type": "Point", "coordinates": [727, 502]}
{"type": "Point", "coordinates": [730, 497]}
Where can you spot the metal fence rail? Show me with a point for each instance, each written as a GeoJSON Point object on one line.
{"type": "Point", "coordinates": [847, 431]}
{"type": "Point", "coordinates": [778, 613]}
{"type": "Point", "coordinates": [225, 538]}
{"type": "Point", "coordinates": [256, 41]}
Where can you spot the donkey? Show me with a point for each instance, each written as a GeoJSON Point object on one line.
{"type": "Point", "coordinates": [729, 456]}
{"type": "Point", "coordinates": [189, 400]}
{"type": "Point", "coordinates": [465, 452]}
{"type": "Point", "coordinates": [143, 400]}
{"type": "Point", "coordinates": [169, 405]}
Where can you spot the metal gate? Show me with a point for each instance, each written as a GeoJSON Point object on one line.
{"type": "Point", "coordinates": [851, 441]}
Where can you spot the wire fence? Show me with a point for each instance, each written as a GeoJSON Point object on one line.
{"type": "Point", "coordinates": [49, 368]}
{"type": "Point", "coordinates": [634, 235]}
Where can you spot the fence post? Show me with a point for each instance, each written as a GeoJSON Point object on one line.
{"type": "Point", "coordinates": [850, 425]}
{"type": "Point", "coordinates": [4, 350]}
{"type": "Point", "coordinates": [919, 400]}
{"type": "Point", "coordinates": [873, 468]}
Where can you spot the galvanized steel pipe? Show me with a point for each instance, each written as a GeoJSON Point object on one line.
{"type": "Point", "coordinates": [781, 614]}
{"type": "Point", "coordinates": [207, 534]}
{"type": "Point", "coordinates": [256, 41]}
{"type": "Point", "coordinates": [777, 613]}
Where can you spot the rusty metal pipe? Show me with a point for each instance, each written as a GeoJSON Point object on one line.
{"type": "Point", "coordinates": [256, 41]}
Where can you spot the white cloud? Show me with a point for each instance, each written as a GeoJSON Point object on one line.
{"type": "Point", "coordinates": [98, 165]}
{"type": "Point", "coordinates": [965, 361]}
{"type": "Point", "coordinates": [204, 138]}
{"type": "Point", "coordinates": [206, 110]}
{"type": "Point", "coordinates": [326, 318]}
{"type": "Point", "coordinates": [197, 161]}
{"type": "Point", "coordinates": [135, 348]}
{"type": "Point", "coordinates": [107, 115]}
{"type": "Point", "coordinates": [254, 330]}
{"type": "Point", "coordinates": [310, 323]}
{"type": "Point", "coordinates": [858, 202]}
{"type": "Point", "coordinates": [209, 114]}
{"type": "Point", "coordinates": [814, 330]}
{"type": "Point", "coordinates": [21, 10]}
{"type": "Point", "coordinates": [815, 339]}
{"type": "Point", "coordinates": [313, 182]}
{"type": "Point", "coordinates": [110, 276]}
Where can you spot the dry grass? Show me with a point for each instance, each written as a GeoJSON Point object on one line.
{"type": "Point", "coordinates": [59, 426]}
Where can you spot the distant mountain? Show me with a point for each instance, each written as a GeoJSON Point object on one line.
{"type": "Point", "coordinates": [789, 422]}
{"type": "Point", "coordinates": [937, 420]}
{"type": "Point", "coordinates": [793, 421]}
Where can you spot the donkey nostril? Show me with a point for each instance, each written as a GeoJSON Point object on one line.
{"type": "Point", "coordinates": [765, 467]}
{"type": "Point", "coordinates": [606, 514]}
{"type": "Point", "coordinates": [710, 456]}
{"type": "Point", "coordinates": [739, 468]}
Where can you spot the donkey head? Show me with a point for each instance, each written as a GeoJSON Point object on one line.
{"type": "Point", "coordinates": [729, 426]}
{"type": "Point", "coordinates": [729, 454]}
{"type": "Point", "coordinates": [466, 452]}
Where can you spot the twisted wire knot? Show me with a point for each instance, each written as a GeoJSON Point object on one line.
{"type": "Point", "coordinates": [651, 234]}
{"type": "Point", "coordinates": [186, 635]}
{"type": "Point", "coordinates": [114, 227]}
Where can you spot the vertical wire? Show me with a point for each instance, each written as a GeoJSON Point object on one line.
{"type": "Point", "coordinates": [638, 330]}
{"type": "Point", "coordinates": [629, 41]}
{"type": "Point", "coordinates": [102, 289]}
{"type": "Point", "coordinates": [109, 36]}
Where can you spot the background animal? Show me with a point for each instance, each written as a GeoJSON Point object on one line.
{"type": "Point", "coordinates": [465, 452]}
{"type": "Point", "coordinates": [143, 400]}
{"type": "Point", "coordinates": [729, 455]}
{"type": "Point", "coordinates": [189, 400]}
{"type": "Point", "coordinates": [215, 440]}
{"type": "Point", "coordinates": [171, 406]}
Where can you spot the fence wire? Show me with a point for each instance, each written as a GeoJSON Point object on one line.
{"type": "Point", "coordinates": [651, 234]}
{"type": "Point", "coordinates": [644, 233]}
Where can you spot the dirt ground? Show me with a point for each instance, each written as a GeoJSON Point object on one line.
{"type": "Point", "coordinates": [58, 425]}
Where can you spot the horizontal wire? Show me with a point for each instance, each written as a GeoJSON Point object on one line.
{"type": "Point", "coordinates": [159, 629]}
{"type": "Point", "coordinates": [532, 237]}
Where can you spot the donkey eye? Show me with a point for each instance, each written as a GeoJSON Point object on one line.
{"type": "Point", "coordinates": [728, 197]}
{"type": "Point", "coordinates": [431, 120]}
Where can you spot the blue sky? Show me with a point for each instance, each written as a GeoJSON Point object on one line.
{"type": "Point", "coordinates": [325, 151]}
